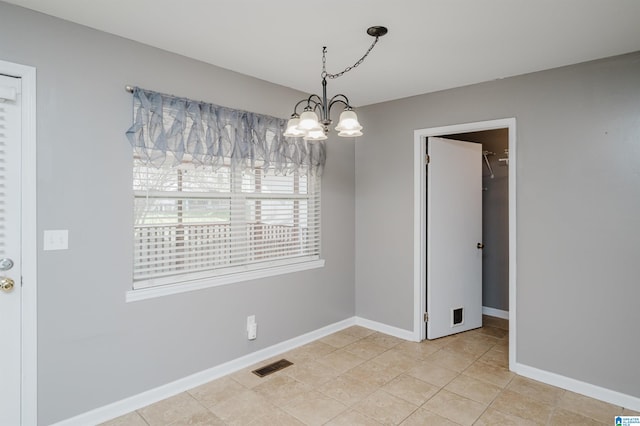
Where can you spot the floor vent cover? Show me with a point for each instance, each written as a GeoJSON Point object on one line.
{"type": "Point", "coordinates": [272, 368]}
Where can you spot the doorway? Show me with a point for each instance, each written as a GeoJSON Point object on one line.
{"type": "Point", "coordinates": [420, 225]}
{"type": "Point", "coordinates": [18, 387]}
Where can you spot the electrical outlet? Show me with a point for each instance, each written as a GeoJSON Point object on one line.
{"type": "Point", "coordinates": [252, 327]}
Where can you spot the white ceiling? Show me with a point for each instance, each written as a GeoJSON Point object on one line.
{"type": "Point", "coordinates": [432, 44]}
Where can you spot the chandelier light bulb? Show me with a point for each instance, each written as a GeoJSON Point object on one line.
{"type": "Point", "coordinates": [292, 128]}
{"type": "Point", "coordinates": [316, 134]}
{"type": "Point", "coordinates": [350, 133]}
{"type": "Point", "coordinates": [348, 121]}
{"type": "Point", "coordinates": [308, 121]}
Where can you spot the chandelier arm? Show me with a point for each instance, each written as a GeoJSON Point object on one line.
{"type": "Point", "coordinates": [295, 108]}
{"type": "Point", "coordinates": [336, 99]}
{"type": "Point", "coordinates": [316, 101]}
{"type": "Point", "coordinates": [309, 101]}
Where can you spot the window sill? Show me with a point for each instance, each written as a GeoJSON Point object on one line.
{"type": "Point", "coordinates": [165, 290]}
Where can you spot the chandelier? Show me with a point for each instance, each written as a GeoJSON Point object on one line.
{"type": "Point", "coordinates": [314, 122]}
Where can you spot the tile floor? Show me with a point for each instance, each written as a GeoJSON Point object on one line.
{"type": "Point", "coordinates": [361, 377]}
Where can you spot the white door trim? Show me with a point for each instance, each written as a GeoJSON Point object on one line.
{"type": "Point", "coordinates": [29, 391]}
{"type": "Point", "coordinates": [420, 223]}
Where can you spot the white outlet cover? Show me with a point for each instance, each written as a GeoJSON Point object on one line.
{"type": "Point", "coordinates": [56, 239]}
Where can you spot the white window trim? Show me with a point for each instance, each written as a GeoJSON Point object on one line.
{"type": "Point", "coordinates": [229, 278]}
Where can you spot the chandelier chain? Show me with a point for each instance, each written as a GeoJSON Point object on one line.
{"type": "Point", "coordinates": [325, 74]}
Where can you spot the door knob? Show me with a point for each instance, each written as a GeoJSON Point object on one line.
{"type": "Point", "coordinates": [480, 246]}
{"type": "Point", "coordinates": [6, 284]}
{"type": "Point", "coordinates": [6, 264]}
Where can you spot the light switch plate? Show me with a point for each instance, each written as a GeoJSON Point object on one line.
{"type": "Point", "coordinates": [56, 239]}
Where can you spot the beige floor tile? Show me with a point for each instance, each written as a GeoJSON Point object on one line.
{"type": "Point", "coordinates": [384, 340]}
{"type": "Point", "coordinates": [358, 331]}
{"type": "Point", "coordinates": [341, 360]}
{"type": "Point", "coordinates": [312, 373]}
{"type": "Point", "coordinates": [131, 419]}
{"type": "Point", "coordinates": [432, 373]}
{"type": "Point", "coordinates": [419, 350]}
{"type": "Point", "coordinates": [217, 391]}
{"type": "Point", "coordinates": [347, 390]}
{"type": "Point", "coordinates": [494, 332]}
{"type": "Point", "coordinates": [589, 407]}
{"type": "Point", "coordinates": [280, 390]}
{"type": "Point", "coordinates": [493, 417]}
{"type": "Point", "coordinates": [373, 373]}
{"type": "Point", "coordinates": [314, 408]}
{"type": "Point", "coordinates": [396, 358]}
{"type": "Point", "coordinates": [522, 406]}
{"type": "Point", "coordinates": [365, 349]}
{"type": "Point", "coordinates": [490, 374]}
{"type": "Point", "coordinates": [385, 408]}
{"type": "Point", "coordinates": [170, 410]}
{"type": "Point", "coordinates": [444, 341]}
{"type": "Point", "coordinates": [339, 339]}
{"type": "Point", "coordinates": [474, 389]}
{"type": "Point", "coordinates": [200, 419]}
{"type": "Point", "coordinates": [452, 360]}
{"type": "Point", "coordinates": [276, 417]}
{"type": "Point", "coordinates": [478, 335]}
{"type": "Point", "coordinates": [496, 357]}
{"type": "Point", "coordinates": [243, 408]}
{"type": "Point", "coordinates": [628, 412]}
{"type": "Point", "coordinates": [473, 347]}
{"type": "Point", "coordinates": [308, 352]}
{"type": "Point", "coordinates": [249, 380]}
{"type": "Point", "coordinates": [422, 417]}
{"type": "Point", "coordinates": [562, 417]}
{"type": "Point", "coordinates": [352, 418]}
{"type": "Point", "coordinates": [455, 407]}
{"type": "Point", "coordinates": [536, 390]}
{"type": "Point", "coordinates": [502, 346]}
{"type": "Point", "coordinates": [489, 321]}
{"type": "Point", "coordinates": [410, 389]}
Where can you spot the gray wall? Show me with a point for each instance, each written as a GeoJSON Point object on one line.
{"type": "Point", "coordinates": [578, 212]}
{"type": "Point", "coordinates": [93, 348]}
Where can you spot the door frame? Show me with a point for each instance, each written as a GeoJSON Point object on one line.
{"type": "Point", "coordinates": [420, 220]}
{"type": "Point", "coordinates": [28, 235]}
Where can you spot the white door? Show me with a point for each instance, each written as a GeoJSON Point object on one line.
{"type": "Point", "coordinates": [10, 251]}
{"type": "Point", "coordinates": [454, 237]}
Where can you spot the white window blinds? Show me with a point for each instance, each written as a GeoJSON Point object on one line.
{"type": "Point", "coordinates": [193, 222]}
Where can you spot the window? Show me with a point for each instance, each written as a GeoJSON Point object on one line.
{"type": "Point", "coordinates": [192, 222]}
{"type": "Point", "coordinates": [220, 195]}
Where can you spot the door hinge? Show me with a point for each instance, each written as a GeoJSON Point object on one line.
{"type": "Point", "coordinates": [426, 317]}
{"type": "Point", "coordinates": [427, 159]}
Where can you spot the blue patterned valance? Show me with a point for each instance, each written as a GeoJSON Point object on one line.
{"type": "Point", "coordinates": [212, 135]}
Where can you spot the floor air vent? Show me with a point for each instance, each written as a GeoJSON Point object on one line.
{"type": "Point", "coordinates": [272, 368]}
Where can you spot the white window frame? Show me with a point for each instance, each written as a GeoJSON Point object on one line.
{"type": "Point", "coordinates": [190, 281]}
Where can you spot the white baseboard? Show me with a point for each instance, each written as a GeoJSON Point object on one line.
{"type": "Point", "coordinates": [386, 329]}
{"type": "Point", "coordinates": [587, 389]}
{"type": "Point", "coordinates": [127, 405]}
{"type": "Point", "coordinates": [492, 312]}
